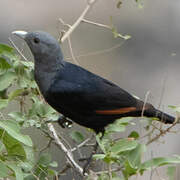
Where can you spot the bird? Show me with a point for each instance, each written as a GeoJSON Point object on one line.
{"type": "Point", "coordinates": [84, 97]}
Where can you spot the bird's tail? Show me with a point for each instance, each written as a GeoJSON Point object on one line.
{"type": "Point", "coordinates": [165, 118]}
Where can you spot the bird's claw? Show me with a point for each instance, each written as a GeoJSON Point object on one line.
{"type": "Point", "coordinates": [64, 122]}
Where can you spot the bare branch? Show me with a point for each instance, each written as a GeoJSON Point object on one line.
{"type": "Point", "coordinates": [97, 24]}
{"type": "Point", "coordinates": [65, 150]}
{"type": "Point", "coordinates": [109, 171]}
{"type": "Point", "coordinates": [71, 51]}
{"type": "Point", "coordinates": [47, 146]}
{"type": "Point", "coordinates": [112, 170]}
{"type": "Point", "coordinates": [163, 90]}
{"type": "Point", "coordinates": [163, 132]}
{"type": "Point", "coordinates": [78, 21]}
{"type": "Point", "coordinates": [100, 51]}
{"type": "Point", "coordinates": [80, 145]}
{"type": "Point", "coordinates": [145, 101]}
{"type": "Point", "coordinates": [17, 49]}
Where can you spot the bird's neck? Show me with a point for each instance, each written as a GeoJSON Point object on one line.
{"type": "Point", "coordinates": [45, 73]}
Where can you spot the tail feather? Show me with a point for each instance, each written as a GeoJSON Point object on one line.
{"type": "Point", "coordinates": [165, 118]}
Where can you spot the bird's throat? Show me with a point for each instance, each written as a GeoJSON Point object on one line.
{"type": "Point", "coordinates": [45, 73]}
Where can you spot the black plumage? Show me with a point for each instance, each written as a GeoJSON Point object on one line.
{"type": "Point", "coordinates": [84, 97]}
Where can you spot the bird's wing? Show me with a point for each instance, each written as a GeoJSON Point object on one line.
{"type": "Point", "coordinates": [94, 94]}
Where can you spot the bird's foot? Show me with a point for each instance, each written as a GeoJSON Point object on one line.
{"type": "Point", "coordinates": [64, 122]}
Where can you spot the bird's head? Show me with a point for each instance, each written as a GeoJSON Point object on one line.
{"type": "Point", "coordinates": [43, 46]}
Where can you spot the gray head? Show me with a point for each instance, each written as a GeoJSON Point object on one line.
{"type": "Point", "coordinates": [47, 54]}
{"type": "Point", "coordinates": [45, 48]}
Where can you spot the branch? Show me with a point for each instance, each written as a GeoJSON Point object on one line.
{"type": "Point", "coordinates": [65, 150]}
{"type": "Point", "coordinates": [97, 24]}
{"type": "Point", "coordinates": [71, 51]}
{"type": "Point", "coordinates": [145, 101]}
{"type": "Point", "coordinates": [79, 20]}
{"type": "Point", "coordinates": [163, 132]}
{"type": "Point", "coordinates": [17, 49]}
{"type": "Point", "coordinates": [81, 144]}
{"type": "Point", "coordinates": [100, 51]}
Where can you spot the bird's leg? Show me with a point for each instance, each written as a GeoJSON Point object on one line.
{"type": "Point", "coordinates": [86, 166]}
{"type": "Point", "coordinates": [64, 122]}
{"type": "Point", "coordinates": [89, 159]}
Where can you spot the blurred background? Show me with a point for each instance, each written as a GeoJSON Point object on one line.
{"type": "Point", "coordinates": [149, 61]}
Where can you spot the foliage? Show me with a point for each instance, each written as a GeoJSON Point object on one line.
{"type": "Point", "coordinates": [125, 155]}
{"type": "Point", "coordinates": [17, 85]}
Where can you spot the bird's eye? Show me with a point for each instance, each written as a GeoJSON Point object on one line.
{"type": "Point", "coordinates": [36, 40]}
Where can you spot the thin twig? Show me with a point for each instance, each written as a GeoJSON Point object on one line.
{"type": "Point", "coordinates": [152, 170]}
{"type": "Point", "coordinates": [65, 150]}
{"type": "Point", "coordinates": [80, 145]}
{"type": "Point", "coordinates": [47, 146]}
{"type": "Point", "coordinates": [162, 91]}
{"type": "Point", "coordinates": [64, 169]}
{"type": "Point", "coordinates": [100, 51]}
{"type": "Point", "coordinates": [163, 132]}
{"type": "Point", "coordinates": [64, 24]}
{"type": "Point", "coordinates": [71, 50]}
{"type": "Point", "coordinates": [97, 24]}
{"type": "Point", "coordinates": [17, 49]}
{"type": "Point", "coordinates": [78, 21]}
{"type": "Point", "coordinates": [107, 171]}
{"type": "Point", "coordinates": [145, 101]}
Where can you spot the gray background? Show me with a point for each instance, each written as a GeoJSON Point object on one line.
{"type": "Point", "coordinates": [141, 64]}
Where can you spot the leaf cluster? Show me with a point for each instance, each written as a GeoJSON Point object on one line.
{"type": "Point", "coordinates": [17, 86]}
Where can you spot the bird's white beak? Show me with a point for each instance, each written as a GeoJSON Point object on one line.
{"type": "Point", "coordinates": [21, 34]}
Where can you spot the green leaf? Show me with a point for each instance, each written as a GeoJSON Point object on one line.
{"type": "Point", "coordinates": [134, 135]}
{"type": "Point", "coordinates": [15, 94]}
{"type": "Point", "coordinates": [160, 161]}
{"type": "Point", "coordinates": [123, 145]}
{"type": "Point", "coordinates": [53, 164]}
{"type": "Point", "coordinates": [12, 129]}
{"type": "Point", "coordinates": [171, 170]}
{"type": "Point", "coordinates": [119, 125]}
{"type": "Point", "coordinates": [51, 172]}
{"type": "Point", "coordinates": [103, 176]}
{"type": "Point", "coordinates": [3, 103]}
{"type": "Point", "coordinates": [28, 64]}
{"type": "Point", "coordinates": [13, 147]}
{"type": "Point", "coordinates": [3, 94]}
{"type": "Point", "coordinates": [115, 128]}
{"type": "Point", "coordinates": [45, 159]}
{"type": "Point", "coordinates": [124, 120]}
{"type": "Point", "coordinates": [77, 136]}
{"type": "Point", "coordinates": [3, 170]}
{"type": "Point", "coordinates": [119, 4]}
{"type": "Point", "coordinates": [5, 49]}
{"type": "Point", "coordinates": [140, 4]}
{"type": "Point", "coordinates": [116, 34]}
{"type": "Point", "coordinates": [134, 156]}
{"type": "Point", "coordinates": [6, 80]}
{"type": "Point", "coordinates": [17, 170]}
{"type": "Point", "coordinates": [4, 65]}
{"type": "Point", "coordinates": [175, 108]}
{"type": "Point", "coordinates": [128, 170]}
{"type": "Point", "coordinates": [99, 156]}
{"type": "Point", "coordinates": [30, 159]}
{"type": "Point", "coordinates": [18, 116]}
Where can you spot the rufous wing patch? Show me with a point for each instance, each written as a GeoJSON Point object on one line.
{"type": "Point", "coordinates": [116, 111]}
